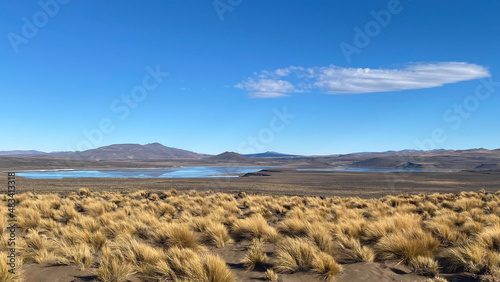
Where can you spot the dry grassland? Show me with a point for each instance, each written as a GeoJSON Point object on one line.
{"type": "Point", "coordinates": [174, 236]}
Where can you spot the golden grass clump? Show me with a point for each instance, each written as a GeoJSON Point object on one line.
{"type": "Point", "coordinates": [112, 269]}
{"type": "Point", "coordinates": [294, 255]}
{"type": "Point", "coordinates": [324, 265]}
{"type": "Point", "coordinates": [65, 214]}
{"type": "Point", "coordinates": [321, 237]}
{"type": "Point", "coordinates": [5, 274]}
{"type": "Point", "coordinates": [28, 218]}
{"type": "Point", "coordinates": [373, 232]}
{"type": "Point", "coordinates": [186, 265]}
{"type": "Point", "coordinates": [472, 258]}
{"type": "Point", "coordinates": [350, 250]}
{"type": "Point", "coordinates": [489, 238]}
{"type": "Point", "coordinates": [216, 233]}
{"type": "Point", "coordinates": [270, 275]}
{"type": "Point", "coordinates": [445, 231]}
{"type": "Point", "coordinates": [96, 240]}
{"type": "Point", "coordinates": [294, 226]}
{"type": "Point", "coordinates": [255, 226]}
{"type": "Point", "coordinates": [79, 254]}
{"type": "Point", "coordinates": [37, 248]}
{"type": "Point", "coordinates": [255, 256]}
{"type": "Point", "coordinates": [178, 235]}
{"type": "Point", "coordinates": [143, 257]}
{"type": "Point", "coordinates": [216, 269]}
{"type": "Point", "coordinates": [351, 226]}
{"type": "Point", "coordinates": [406, 244]}
{"type": "Point", "coordinates": [84, 192]}
{"type": "Point", "coordinates": [425, 266]}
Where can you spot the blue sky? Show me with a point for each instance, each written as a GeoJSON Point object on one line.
{"type": "Point", "coordinates": [301, 77]}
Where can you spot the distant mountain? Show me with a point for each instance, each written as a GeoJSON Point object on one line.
{"type": "Point", "coordinates": [268, 154]}
{"type": "Point", "coordinates": [119, 152]}
{"type": "Point", "coordinates": [229, 157]}
{"type": "Point", "coordinates": [21, 153]}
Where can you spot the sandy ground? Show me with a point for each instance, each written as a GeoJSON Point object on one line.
{"type": "Point", "coordinates": [351, 273]}
{"type": "Point", "coordinates": [285, 181]}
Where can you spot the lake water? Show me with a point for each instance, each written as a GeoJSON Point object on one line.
{"type": "Point", "coordinates": [183, 172]}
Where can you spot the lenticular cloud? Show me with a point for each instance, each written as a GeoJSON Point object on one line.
{"type": "Point", "coordinates": [338, 80]}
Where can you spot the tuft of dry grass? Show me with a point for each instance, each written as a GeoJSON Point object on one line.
{"type": "Point", "coordinates": [79, 254]}
{"type": "Point", "coordinates": [255, 256]}
{"type": "Point", "coordinates": [294, 255]}
{"type": "Point", "coordinates": [472, 258]}
{"type": "Point", "coordinates": [178, 235]}
{"type": "Point", "coordinates": [373, 232]}
{"type": "Point", "coordinates": [186, 265]}
{"type": "Point", "coordinates": [65, 214]}
{"type": "Point", "coordinates": [28, 218]}
{"type": "Point", "coordinates": [112, 269]}
{"type": "Point", "coordinates": [255, 226]}
{"type": "Point", "coordinates": [321, 238]}
{"type": "Point", "coordinates": [350, 250]}
{"type": "Point", "coordinates": [216, 269]}
{"type": "Point", "coordinates": [84, 192]}
{"type": "Point", "coordinates": [324, 265]}
{"type": "Point", "coordinates": [406, 244]}
{"type": "Point", "coordinates": [294, 226]}
{"type": "Point", "coordinates": [37, 248]}
{"type": "Point", "coordinates": [489, 238]}
{"type": "Point", "coordinates": [425, 266]}
{"type": "Point", "coordinates": [5, 274]}
{"type": "Point", "coordinates": [217, 234]}
{"type": "Point", "coordinates": [270, 275]}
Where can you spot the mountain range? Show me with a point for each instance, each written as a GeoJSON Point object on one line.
{"type": "Point", "coordinates": [122, 152]}
{"type": "Point", "coordinates": [116, 152]}
{"type": "Point", "coordinates": [478, 158]}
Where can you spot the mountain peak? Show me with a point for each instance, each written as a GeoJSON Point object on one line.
{"type": "Point", "coordinates": [155, 144]}
{"type": "Point", "coordinates": [229, 156]}
{"type": "Point", "coordinates": [268, 154]}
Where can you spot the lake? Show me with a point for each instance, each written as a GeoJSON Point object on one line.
{"type": "Point", "coordinates": [182, 172]}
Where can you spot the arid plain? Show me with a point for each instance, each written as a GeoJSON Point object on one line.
{"type": "Point", "coordinates": [278, 224]}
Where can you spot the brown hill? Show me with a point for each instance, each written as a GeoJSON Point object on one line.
{"type": "Point", "coordinates": [118, 152]}
{"type": "Point", "coordinates": [229, 157]}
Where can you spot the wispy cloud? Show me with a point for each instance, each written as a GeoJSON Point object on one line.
{"type": "Point", "coordinates": [338, 80]}
{"type": "Point", "coordinates": [266, 88]}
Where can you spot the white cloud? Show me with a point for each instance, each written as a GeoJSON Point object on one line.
{"type": "Point", "coordinates": [339, 80]}
{"type": "Point", "coordinates": [267, 88]}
